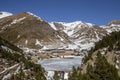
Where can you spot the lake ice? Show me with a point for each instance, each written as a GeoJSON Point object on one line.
{"type": "Point", "coordinates": [60, 64]}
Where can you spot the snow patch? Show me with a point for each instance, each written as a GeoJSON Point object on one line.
{"type": "Point", "coordinates": [17, 70]}
{"type": "Point", "coordinates": [117, 61]}
{"type": "Point", "coordinates": [87, 46]}
{"type": "Point", "coordinates": [7, 49]}
{"type": "Point", "coordinates": [6, 76]}
{"type": "Point", "coordinates": [53, 26]}
{"type": "Point", "coordinates": [114, 25]}
{"type": "Point", "coordinates": [69, 32]}
{"type": "Point", "coordinates": [66, 76]}
{"type": "Point", "coordinates": [109, 31]}
{"type": "Point", "coordinates": [89, 24]}
{"type": "Point", "coordinates": [72, 46]}
{"type": "Point", "coordinates": [9, 68]}
{"type": "Point", "coordinates": [97, 36]}
{"type": "Point", "coordinates": [44, 48]}
{"type": "Point", "coordinates": [50, 75]}
{"type": "Point", "coordinates": [60, 38]}
{"type": "Point", "coordinates": [117, 67]}
{"type": "Point", "coordinates": [103, 53]}
{"type": "Point", "coordinates": [28, 50]}
{"type": "Point", "coordinates": [26, 42]}
{"type": "Point", "coordinates": [4, 14]}
{"type": "Point", "coordinates": [38, 42]}
{"type": "Point", "coordinates": [17, 20]}
{"type": "Point", "coordinates": [18, 36]}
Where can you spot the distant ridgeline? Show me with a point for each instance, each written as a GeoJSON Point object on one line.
{"type": "Point", "coordinates": [102, 62]}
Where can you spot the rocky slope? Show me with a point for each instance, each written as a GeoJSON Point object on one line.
{"type": "Point", "coordinates": [112, 26]}
{"type": "Point", "coordinates": [82, 34]}
{"type": "Point", "coordinates": [29, 31]}
{"type": "Point", "coordinates": [15, 65]}
{"type": "Point", "coordinates": [109, 47]}
{"type": "Point", "coordinates": [104, 57]}
{"type": "Point", "coordinates": [7, 66]}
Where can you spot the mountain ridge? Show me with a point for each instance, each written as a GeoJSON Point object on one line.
{"type": "Point", "coordinates": [34, 32]}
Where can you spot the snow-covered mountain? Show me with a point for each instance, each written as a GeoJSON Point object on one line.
{"type": "Point", "coordinates": [112, 26]}
{"type": "Point", "coordinates": [29, 31]}
{"type": "Point", "coordinates": [4, 14]}
{"type": "Point", "coordinates": [82, 34]}
{"type": "Point", "coordinates": [69, 28]}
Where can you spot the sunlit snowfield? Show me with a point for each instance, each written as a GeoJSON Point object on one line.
{"type": "Point", "coordinates": [60, 64]}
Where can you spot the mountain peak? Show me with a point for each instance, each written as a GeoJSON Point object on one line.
{"type": "Point", "coordinates": [4, 14]}
{"type": "Point", "coordinates": [71, 27]}
{"type": "Point", "coordinates": [115, 22]}
{"type": "Point", "coordinates": [35, 16]}
{"type": "Point", "coordinates": [23, 14]}
{"type": "Point", "coordinates": [112, 26]}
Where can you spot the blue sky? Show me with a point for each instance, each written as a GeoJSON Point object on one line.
{"type": "Point", "coordinates": [94, 11]}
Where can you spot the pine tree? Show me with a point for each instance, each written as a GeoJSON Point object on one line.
{"type": "Point", "coordinates": [56, 76]}
{"type": "Point", "coordinates": [104, 70]}
{"type": "Point", "coordinates": [101, 70]}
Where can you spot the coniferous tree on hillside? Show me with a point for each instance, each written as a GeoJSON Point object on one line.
{"type": "Point", "coordinates": [18, 57]}
{"type": "Point", "coordinates": [56, 76]}
{"type": "Point", "coordinates": [101, 71]}
{"type": "Point", "coordinates": [109, 41]}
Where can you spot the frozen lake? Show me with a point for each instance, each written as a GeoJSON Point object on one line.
{"type": "Point", "coordinates": [60, 64]}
